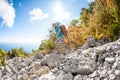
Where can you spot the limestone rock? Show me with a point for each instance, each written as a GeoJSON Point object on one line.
{"type": "Point", "coordinates": [91, 42]}
{"type": "Point", "coordinates": [78, 77]}
{"type": "Point", "coordinates": [117, 72]}
{"type": "Point", "coordinates": [79, 66]}
{"type": "Point", "coordinates": [54, 60]}
{"type": "Point", "coordinates": [99, 50]}
{"type": "Point", "coordinates": [110, 60]}
{"type": "Point", "coordinates": [7, 69]}
{"type": "Point", "coordinates": [48, 76]}
{"type": "Point", "coordinates": [94, 74]}
{"type": "Point", "coordinates": [64, 76]}
{"type": "Point", "coordinates": [112, 77]}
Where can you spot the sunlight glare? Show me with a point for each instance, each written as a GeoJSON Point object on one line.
{"type": "Point", "coordinates": [58, 9]}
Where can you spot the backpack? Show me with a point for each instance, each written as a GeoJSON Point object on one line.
{"type": "Point", "coordinates": [64, 31]}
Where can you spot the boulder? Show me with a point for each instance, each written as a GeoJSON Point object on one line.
{"type": "Point", "coordinates": [49, 76]}
{"type": "Point", "coordinates": [99, 50]}
{"type": "Point", "coordinates": [117, 72]}
{"type": "Point", "coordinates": [64, 76]}
{"type": "Point", "coordinates": [110, 60]}
{"type": "Point", "coordinates": [91, 42]}
{"type": "Point", "coordinates": [103, 74]}
{"type": "Point", "coordinates": [54, 60]}
{"type": "Point", "coordinates": [78, 77]}
{"type": "Point", "coordinates": [79, 66]}
{"type": "Point", "coordinates": [112, 77]}
{"type": "Point", "coordinates": [39, 56]}
{"type": "Point", "coordinates": [94, 74]}
{"type": "Point", "coordinates": [7, 69]}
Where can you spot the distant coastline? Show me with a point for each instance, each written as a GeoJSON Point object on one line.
{"type": "Point", "coordinates": [27, 47]}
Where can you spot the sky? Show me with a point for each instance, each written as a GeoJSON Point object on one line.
{"type": "Point", "coordinates": [29, 21]}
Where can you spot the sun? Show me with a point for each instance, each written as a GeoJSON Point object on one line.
{"type": "Point", "coordinates": [59, 12]}
{"type": "Point", "coordinates": [58, 9]}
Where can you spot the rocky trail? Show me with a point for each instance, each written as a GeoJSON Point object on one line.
{"type": "Point", "coordinates": [97, 63]}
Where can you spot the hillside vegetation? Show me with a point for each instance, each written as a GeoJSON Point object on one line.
{"type": "Point", "coordinates": [101, 20]}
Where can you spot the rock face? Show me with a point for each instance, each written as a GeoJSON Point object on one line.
{"type": "Point", "coordinates": [94, 63]}
{"type": "Point", "coordinates": [91, 42]}
{"type": "Point", "coordinates": [79, 65]}
{"type": "Point", "coordinates": [54, 60]}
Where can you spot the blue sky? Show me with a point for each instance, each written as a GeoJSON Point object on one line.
{"type": "Point", "coordinates": [28, 21]}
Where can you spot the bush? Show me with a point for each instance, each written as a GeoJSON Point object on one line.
{"type": "Point", "coordinates": [18, 52]}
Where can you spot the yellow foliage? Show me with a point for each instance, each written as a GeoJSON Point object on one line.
{"type": "Point", "coordinates": [76, 36]}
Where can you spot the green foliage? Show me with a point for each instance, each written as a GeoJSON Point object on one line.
{"type": "Point", "coordinates": [101, 20]}
{"type": "Point", "coordinates": [18, 52]}
{"type": "Point", "coordinates": [2, 53]}
{"type": "Point", "coordinates": [74, 22]}
{"type": "Point", "coordinates": [47, 45]}
{"type": "Point", "coordinates": [3, 56]}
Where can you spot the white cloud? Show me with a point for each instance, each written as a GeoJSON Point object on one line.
{"type": "Point", "coordinates": [90, 1]}
{"type": "Point", "coordinates": [37, 14]}
{"type": "Point", "coordinates": [7, 13]}
{"type": "Point", "coordinates": [59, 13]}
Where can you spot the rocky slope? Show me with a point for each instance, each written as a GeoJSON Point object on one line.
{"type": "Point", "coordinates": [96, 63]}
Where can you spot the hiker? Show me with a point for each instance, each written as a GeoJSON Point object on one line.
{"type": "Point", "coordinates": [59, 42]}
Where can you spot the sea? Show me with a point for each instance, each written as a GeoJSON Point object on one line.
{"type": "Point", "coordinates": [27, 47]}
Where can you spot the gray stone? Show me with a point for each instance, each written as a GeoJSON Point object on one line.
{"type": "Point", "coordinates": [13, 67]}
{"type": "Point", "coordinates": [87, 51]}
{"type": "Point", "coordinates": [2, 68]}
{"type": "Point", "coordinates": [78, 77]}
{"type": "Point", "coordinates": [23, 77]}
{"type": "Point", "coordinates": [110, 71]}
{"type": "Point", "coordinates": [103, 73]}
{"type": "Point", "coordinates": [110, 60]}
{"type": "Point", "coordinates": [54, 60]}
{"type": "Point", "coordinates": [94, 74]}
{"type": "Point", "coordinates": [91, 41]}
{"type": "Point", "coordinates": [21, 65]}
{"type": "Point", "coordinates": [48, 76]}
{"type": "Point", "coordinates": [118, 65]}
{"type": "Point", "coordinates": [28, 61]}
{"type": "Point", "coordinates": [99, 50]}
{"type": "Point", "coordinates": [89, 79]}
{"type": "Point", "coordinates": [14, 77]}
{"type": "Point", "coordinates": [97, 43]}
{"type": "Point", "coordinates": [85, 46]}
{"type": "Point", "coordinates": [39, 56]}
{"type": "Point", "coordinates": [117, 78]}
{"type": "Point", "coordinates": [0, 73]}
{"type": "Point", "coordinates": [7, 69]}
{"type": "Point", "coordinates": [112, 77]}
{"type": "Point", "coordinates": [85, 77]}
{"type": "Point", "coordinates": [34, 77]}
{"type": "Point", "coordinates": [64, 76]}
{"type": "Point", "coordinates": [79, 66]}
{"type": "Point", "coordinates": [115, 65]}
{"type": "Point", "coordinates": [54, 70]}
{"type": "Point", "coordinates": [117, 72]}
{"type": "Point", "coordinates": [6, 77]}
{"type": "Point", "coordinates": [108, 48]}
